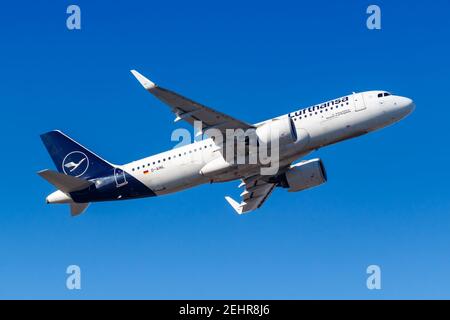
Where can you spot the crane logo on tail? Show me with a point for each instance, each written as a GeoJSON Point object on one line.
{"type": "Point", "coordinates": [75, 163]}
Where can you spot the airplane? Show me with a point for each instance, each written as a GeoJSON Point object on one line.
{"type": "Point", "coordinates": [84, 177]}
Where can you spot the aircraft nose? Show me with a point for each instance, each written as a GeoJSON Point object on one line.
{"type": "Point", "coordinates": [407, 105]}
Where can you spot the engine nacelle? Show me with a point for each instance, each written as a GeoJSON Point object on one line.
{"type": "Point", "coordinates": [305, 175]}
{"type": "Point", "coordinates": [282, 129]}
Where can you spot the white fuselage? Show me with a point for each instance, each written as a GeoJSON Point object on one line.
{"type": "Point", "coordinates": [317, 126]}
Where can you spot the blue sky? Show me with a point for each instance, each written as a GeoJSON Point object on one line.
{"type": "Point", "coordinates": [386, 202]}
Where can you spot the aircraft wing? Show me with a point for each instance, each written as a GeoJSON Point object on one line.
{"type": "Point", "coordinates": [255, 194]}
{"type": "Point", "coordinates": [190, 111]}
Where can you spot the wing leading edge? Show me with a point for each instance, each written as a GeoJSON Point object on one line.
{"type": "Point", "coordinates": [190, 111]}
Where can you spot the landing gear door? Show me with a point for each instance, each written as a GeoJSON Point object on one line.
{"type": "Point", "coordinates": [358, 100]}
{"type": "Point", "coordinates": [119, 175]}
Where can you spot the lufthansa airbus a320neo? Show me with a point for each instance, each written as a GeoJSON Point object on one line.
{"type": "Point", "coordinates": [84, 177]}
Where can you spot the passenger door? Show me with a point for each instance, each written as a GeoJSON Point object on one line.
{"type": "Point", "coordinates": [119, 175]}
{"type": "Point", "coordinates": [358, 100]}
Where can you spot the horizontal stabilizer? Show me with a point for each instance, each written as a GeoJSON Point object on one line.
{"type": "Point", "coordinates": [64, 182]}
{"type": "Point", "coordinates": [78, 208]}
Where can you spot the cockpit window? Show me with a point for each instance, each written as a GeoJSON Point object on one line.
{"type": "Point", "coordinates": [383, 94]}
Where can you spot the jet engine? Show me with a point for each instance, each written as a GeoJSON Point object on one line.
{"type": "Point", "coordinates": [282, 129]}
{"type": "Point", "coordinates": [304, 175]}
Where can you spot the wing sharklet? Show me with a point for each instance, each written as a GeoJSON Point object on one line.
{"type": "Point", "coordinates": [146, 83]}
{"type": "Point", "coordinates": [234, 204]}
{"type": "Point", "coordinates": [255, 193]}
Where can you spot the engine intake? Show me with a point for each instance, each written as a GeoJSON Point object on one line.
{"type": "Point", "coordinates": [305, 175]}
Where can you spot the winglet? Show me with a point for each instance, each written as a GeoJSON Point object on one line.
{"type": "Point", "coordinates": [146, 83]}
{"type": "Point", "coordinates": [236, 206]}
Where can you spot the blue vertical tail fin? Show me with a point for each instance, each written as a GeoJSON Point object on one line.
{"type": "Point", "coordinates": [72, 158]}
